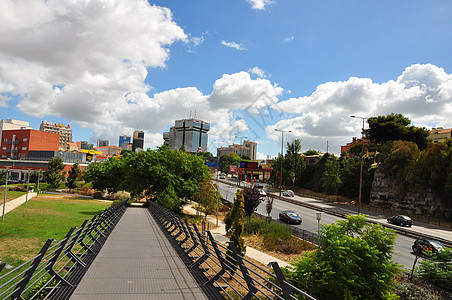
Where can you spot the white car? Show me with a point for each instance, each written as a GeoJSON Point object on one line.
{"type": "Point", "coordinates": [288, 193]}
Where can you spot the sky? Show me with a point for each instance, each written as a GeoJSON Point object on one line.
{"type": "Point", "coordinates": [108, 67]}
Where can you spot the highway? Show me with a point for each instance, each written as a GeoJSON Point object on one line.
{"type": "Point", "coordinates": [402, 249]}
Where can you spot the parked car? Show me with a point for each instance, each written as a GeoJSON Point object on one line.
{"type": "Point", "coordinates": [263, 193]}
{"type": "Point", "coordinates": [424, 246]}
{"type": "Point", "coordinates": [400, 220]}
{"type": "Point", "coordinates": [221, 177]}
{"type": "Point", "coordinates": [290, 217]}
{"type": "Point", "coordinates": [288, 193]}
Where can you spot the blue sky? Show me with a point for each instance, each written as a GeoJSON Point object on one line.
{"type": "Point", "coordinates": [248, 67]}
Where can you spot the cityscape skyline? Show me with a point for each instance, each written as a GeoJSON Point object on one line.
{"type": "Point", "coordinates": [245, 66]}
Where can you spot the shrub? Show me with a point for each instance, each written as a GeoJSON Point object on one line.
{"type": "Point", "coordinates": [98, 195]}
{"type": "Point", "coordinates": [120, 195]}
{"type": "Point", "coordinates": [87, 191]}
{"type": "Point", "coordinates": [412, 291]}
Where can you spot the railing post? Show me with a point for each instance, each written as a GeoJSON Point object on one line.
{"type": "Point", "coordinates": [249, 281]}
{"type": "Point", "coordinates": [68, 250]}
{"type": "Point", "coordinates": [56, 254]}
{"type": "Point", "coordinates": [204, 247]}
{"type": "Point", "coordinates": [195, 242]}
{"type": "Point", "coordinates": [27, 276]}
{"type": "Point", "coordinates": [224, 267]}
{"type": "Point", "coordinates": [287, 291]}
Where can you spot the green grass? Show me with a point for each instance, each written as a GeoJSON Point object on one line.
{"type": "Point", "coordinates": [10, 195]}
{"type": "Point", "coordinates": [25, 230]}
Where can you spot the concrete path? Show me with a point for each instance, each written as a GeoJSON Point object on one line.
{"type": "Point", "coordinates": [13, 204]}
{"type": "Point", "coordinates": [219, 235]}
{"type": "Point", "coordinates": [137, 262]}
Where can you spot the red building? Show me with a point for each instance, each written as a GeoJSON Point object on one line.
{"type": "Point", "coordinates": [346, 149]}
{"type": "Point", "coordinates": [16, 144]}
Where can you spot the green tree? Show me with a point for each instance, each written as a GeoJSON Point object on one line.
{"type": "Point", "coordinates": [231, 159]}
{"type": "Point", "coordinates": [437, 270]}
{"type": "Point", "coordinates": [331, 179]}
{"type": "Point", "coordinates": [54, 175]}
{"type": "Point", "coordinates": [294, 163]}
{"type": "Point", "coordinates": [107, 175]}
{"type": "Point", "coordinates": [2, 177]}
{"type": "Point", "coordinates": [251, 200]}
{"type": "Point", "coordinates": [208, 196]}
{"type": "Point", "coordinates": [395, 127]}
{"type": "Point", "coordinates": [74, 173]}
{"type": "Point", "coordinates": [234, 224]}
{"type": "Point", "coordinates": [401, 161]}
{"type": "Point", "coordinates": [353, 261]}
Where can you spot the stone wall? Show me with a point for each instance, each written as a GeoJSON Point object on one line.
{"type": "Point", "coordinates": [386, 194]}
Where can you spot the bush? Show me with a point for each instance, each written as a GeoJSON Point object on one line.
{"type": "Point", "coordinates": [18, 188]}
{"type": "Point", "coordinates": [87, 191]}
{"type": "Point", "coordinates": [412, 291]}
{"type": "Point", "coordinates": [120, 195]}
{"type": "Point", "coordinates": [98, 195]}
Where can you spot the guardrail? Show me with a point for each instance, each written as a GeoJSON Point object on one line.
{"type": "Point", "coordinates": [59, 266]}
{"type": "Point", "coordinates": [232, 275]}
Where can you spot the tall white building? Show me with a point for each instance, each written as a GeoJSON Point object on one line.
{"type": "Point", "coordinates": [64, 131]}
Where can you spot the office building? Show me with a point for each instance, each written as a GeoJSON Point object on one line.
{"type": "Point", "coordinates": [190, 133]}
{"type": "Point", "coordinates": [123, 139]}
{"type": "Point", "coordinates": [11, 124]}
{"type": "Point", "coordinates": [64, 131]}
{"type": "Point", "coordinates": [247, 149]}
{"type": "Point", "coordinates": [16, 144]}
{"type": "Point", "coordinates": [138, 141]}
{"type": "Point", "coordinates": [102, 143]}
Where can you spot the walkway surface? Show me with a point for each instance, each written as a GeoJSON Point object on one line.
{"type": "Point", "coordinates": [13, 204]}
{"type": "Point", "coordinates": [137, 262]}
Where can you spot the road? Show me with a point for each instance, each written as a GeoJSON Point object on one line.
{"type": "Point", "coordinates": [402, 250]}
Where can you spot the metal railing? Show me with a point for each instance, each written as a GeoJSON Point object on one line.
{"type": "Point", "coordinates": [221, 265]}
{"type": "Point", "coordinates": [59, 266]}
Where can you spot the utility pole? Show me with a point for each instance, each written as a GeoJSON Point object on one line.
{"type": "Point", "coordinates": [282, 156]}
{"type": "Point", "coordinates": [361, 171]}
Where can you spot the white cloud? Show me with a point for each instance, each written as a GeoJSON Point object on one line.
{"type": "Point", "coordinates": [288, 39]}
{"type": "Point", "coordinates": [422, 93]}
{"type": "Point", "coordinates": [258, 72]}
{"type": "Point", "coordinates": [233, 45]}
{"type": "Point", "coordinates": [259, 4]}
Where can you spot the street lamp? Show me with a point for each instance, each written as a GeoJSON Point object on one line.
{"type": "Point", "coordinates": [28, 183]}
{"type": "Point", "coordinates": [361, 171]}
{"type": "Point", "coordinates": [218, 158]}
{"type": "Point", "coordinates": [4, 198]}
{"type": "Point", "coordinates": [282, 155]}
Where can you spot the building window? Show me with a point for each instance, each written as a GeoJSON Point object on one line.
{"type": "Point", "coordinates": [5, 139]}
{"type": "Point", "coordinates": [4, 148]}
{"type": "Point", "coordinates": [25, 139]}
{"type": "Point", "coordinates": [3, 156]}
{"type": "Point", "coordinates": [24, 148]}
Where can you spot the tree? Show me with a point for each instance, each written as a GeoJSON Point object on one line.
{"type": "Point", "coordinates": [269, 205]}
{"type": "Point", "coordinates": [231, 159]}
{"type": "Point", "coordinates": [353, 261]}
{"type": "Point", "coordinates": [234, 224]}
{"type": "Point", "coordinates": [294, 163]}
{"type": "Point", "coordinates": [437, 270]}
{"type": "Point", "coordinates": [74, 173]}
{"type": "Point", "coordinates": [251, 200]}
{"type": "Point", "coordinates": [54, 175]}
{"type": "Point", "coordinates": [331, 177]}
{"type": "Point", "coordinates": [401, 161]}
{"type": "Point", "coordinates": [208, 196]}
{"type": "Point", "coordinates": [107, 175]}
{"type": "Point", "coordinates": [395, 127]}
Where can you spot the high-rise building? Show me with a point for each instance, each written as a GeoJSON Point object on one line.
{"type": "Point", "coordinates": [85, 145]}
{"type": "Point", "coordinates": [248, 148]}
{"type": "Point", "coordinates": [102, 143]}
{"type": "Point", "coordinates": [190, 133]}
{"type": "Point", "coordinates": [64, 131]}
{"type": "Point", "coordinates": [123, 139]}
{"type": "Point", "coordinates": [138, 141]}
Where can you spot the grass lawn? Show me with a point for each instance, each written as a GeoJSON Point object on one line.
{"type": "Point", "coordinates": [10, 195]}
{"type": "Point", "coordinates": [25, 230]}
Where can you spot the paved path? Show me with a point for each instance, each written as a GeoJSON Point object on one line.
{"type": "Point", "coordinates": [13, 204]}
{"type": "Point", "coordinates": [137, 262]}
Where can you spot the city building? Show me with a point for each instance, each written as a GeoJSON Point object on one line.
{"type": "Point", "coordinates": [138, 141]}
{"type": "Point", "coordinates": [17, 144]}
{"type": "Point", "coordinates": [11, 124]}
{"type": "Point", "coordinates": [107, 152]}
{"type": "Point", "coordinates": [346, 149]}
{"type": "Point", "coordinates": [440, 135]}
{"type": "Point", "coordinates": [248, 149]}
{"type": "Point", "coordinates": [64, 131]}
{"type": "Point", "coordinates": [84, 145]}
{"type": "Point", "coordinates": [103, 143]}
{"type": "Point", "coordinates": [190, 133]}
{"type": "Point", "coordinates": [123, 139]}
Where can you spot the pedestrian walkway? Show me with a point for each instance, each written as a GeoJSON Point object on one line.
{"type": "Point", "coordinates": [15, 203]}
{"type": "Point", "coordinates": [219, 235]}
{"type": "Point", "coordinates": [137, 262]}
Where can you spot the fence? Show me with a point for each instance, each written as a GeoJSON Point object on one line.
{"type": "Point", "coordinates": [59, 266]}
{"type": "Point", "coordinates": [232, 275]}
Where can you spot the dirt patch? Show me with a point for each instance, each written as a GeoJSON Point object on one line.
{"type": "Point", "coordinates": [255, 241]}
{"type": "Point", "coordinates": [20, 248]}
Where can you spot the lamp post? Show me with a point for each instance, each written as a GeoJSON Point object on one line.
{"type": "Point", "coordinates": [282, 155]}
{"type": "Point", "coordinates": [28, 183]}
{"type": "Point", "coordinates": [361, 170]}
{"type": "Point", "coordinates": [4, 197]}
{"type": "Point", "coordinates": [218, 158]}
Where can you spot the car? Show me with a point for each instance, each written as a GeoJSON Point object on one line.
{"type": "Point", "coordinates": [288, 193]}
{"type": "Point", "coordinates": [427, 246]}
{"type": "Point", "coordinates": [222, 177]}
{"type": "Point", "coordinates": [258, 186]}
{"type": "Point", "coordinates": [401, 220]}
{"type": "Point", "coordinates": [263, 193]}
{"type": "Point", "coordinates": [290, 217]}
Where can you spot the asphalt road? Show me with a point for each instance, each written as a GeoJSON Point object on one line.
{"type": "Point", "coordinates": [402, 250]}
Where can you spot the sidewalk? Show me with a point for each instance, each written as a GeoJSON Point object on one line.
{"type": "Point", "coordinates": [219, 235]}
{"type": "Point", "coordinates": [13, 204]}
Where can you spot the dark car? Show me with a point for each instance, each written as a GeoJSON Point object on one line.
{"type": "Point", "coordinates": [401, 220]}
{"type": "Point", "coordinates": [290, 217]}
{"type": "Point", "coordinates": [425, 246]}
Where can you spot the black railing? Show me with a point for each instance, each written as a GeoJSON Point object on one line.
{"type": "Point", "coordinates": [59, 266]}
{"type": "Point", "coordinates": [221, 265]}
